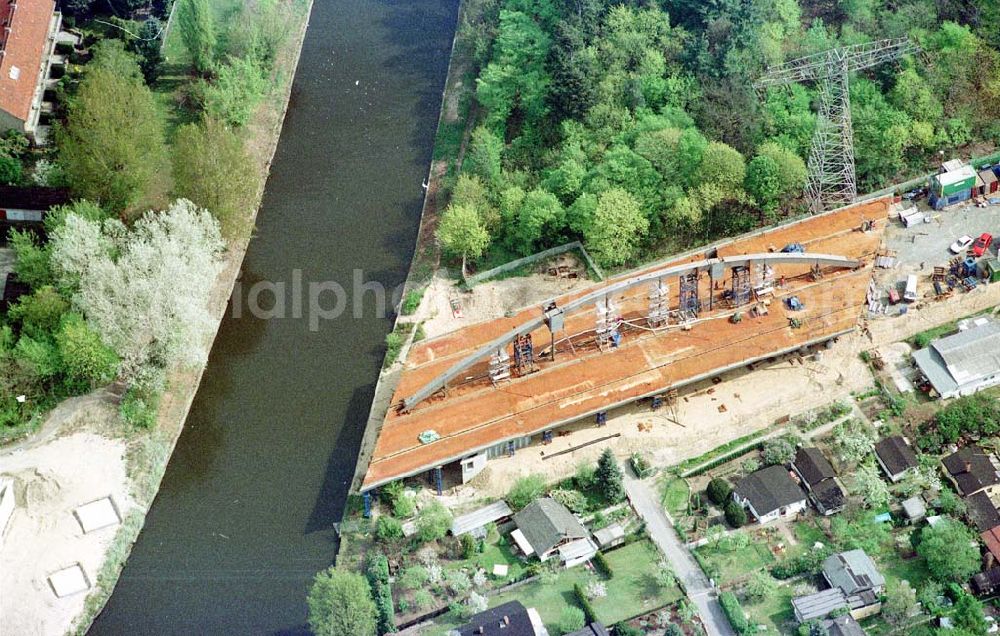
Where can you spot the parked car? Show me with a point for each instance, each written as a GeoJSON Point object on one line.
{"type": "Point", "coordinates": [982, 244]}
{"type": "Point", "coordinates": [793, 248]}
{"type": "Point", "coordinates": [961, 244]}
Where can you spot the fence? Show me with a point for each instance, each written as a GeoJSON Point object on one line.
{"type": "Point", "coordinates": [527, 260]}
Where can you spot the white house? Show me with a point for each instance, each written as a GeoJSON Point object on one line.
{"type": "Point", "coordinates": [769, 494]}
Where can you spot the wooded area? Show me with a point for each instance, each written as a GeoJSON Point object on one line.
{"type": "Point", "coordinates": [635, 126]}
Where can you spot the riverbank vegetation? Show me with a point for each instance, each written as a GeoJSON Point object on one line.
{"type": "Point", "coordinates": [156, 151]}
{"type": "Point", "coordinates": [637, 129]}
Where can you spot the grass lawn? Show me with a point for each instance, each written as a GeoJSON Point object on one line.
{"type": "Point", "coordinates": [632, 589]}
{"type": "Point", "coordinates": [775, 611]}
{"type": "Point", "coordinates": [807, 533]}
{"type": "Point", "coordinates": [675, 497]}
{"type": "Point", "coordinates": [492, 554]}
{"type": "Point", "coordinates": [737, 563]}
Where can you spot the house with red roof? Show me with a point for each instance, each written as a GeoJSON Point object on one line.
{"type": "Point", "coordinates": [29, 30]}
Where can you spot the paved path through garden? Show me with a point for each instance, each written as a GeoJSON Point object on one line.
{"type": "Point", "coordinates": [646, 502]}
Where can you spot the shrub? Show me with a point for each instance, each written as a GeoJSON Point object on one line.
{"type": "Point", "coordinates": [377, 573]}
{"type": "Point", "coordinates": [640, 465]}
{"type": "Point", "coordinates": [387, 528]}
{"type": "Point", "coordinates": [601, 565]}
{"type": "Point", "coordinates": [458, 582]}
{"type": "Point", "coordinates": [138, 407]}
{"type": "Point", "coordinates": [778, 451]}
{"type": "Point", "coordinates": [87, 361]}
{"type": "Point", "coordinates": [571, 619]}
{"type": "Point", "coordinates": [525, 490]}
{"type": "Point", "coordinates": [734, 612]}
{"type": "Point", "coordinates": [393, 345]}
{"type": "Point", "coordinates": [810, 562]}
{"type": "Point", "coordinates": [719, 491]}
{"type": "Point", "coordinates": [413, 577]}
{"type": "Point", "coordinates": [423, 599]}
{"type": "Point", "coordinates": [340, 602]}
{"type": "Point", "coordinates": [412, 301]}
{"type": "Point", "coordinates": [572, 499]}
{"type": "Point", "coordinates": [433, 522]}
{"type": "Point", "coordinates": [404, 506]}
{"type": "Point", "coordinates": [736, 516]}
{"type": "Point", "coordinates": [237, 90]}
{"type": "Point", "coordinates": [468, 546]}
{"type": "Point", "coordinates": [584, 601]}
{"type": "Point", "coordinates": [585, 475]}
{"type": "Point", "coordinates": [624, 629]}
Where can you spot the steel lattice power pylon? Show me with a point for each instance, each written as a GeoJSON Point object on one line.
{"type": "Point", "coordinates": [832, 182]}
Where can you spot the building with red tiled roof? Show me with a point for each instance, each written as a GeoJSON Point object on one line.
{"type": "Point", "coordinates": [28, 30]}
{"type": "Point", "coordinates": [992, 540]}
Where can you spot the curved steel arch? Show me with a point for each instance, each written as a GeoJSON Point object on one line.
{"type": "Point", "coordinates": [782, 258]}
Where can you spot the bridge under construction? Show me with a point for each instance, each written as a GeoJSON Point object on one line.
{"type": "Point", "coordinates": [492, 388]}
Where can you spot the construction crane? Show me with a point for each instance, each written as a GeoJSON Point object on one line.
{"type": "Point", "coordinates": [832, 182]}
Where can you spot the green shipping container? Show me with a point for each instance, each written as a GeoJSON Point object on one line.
{"type": "Point", "coordinates": [993, 269]}
{"type": "Point", "coordinates": [952, 188]}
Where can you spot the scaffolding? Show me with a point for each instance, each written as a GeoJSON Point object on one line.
{"type": "Point", "coordinates": [608, 322]}
{"type": "Point", "coordinates": [689, 305]}
{"type": "Point", "coordinates": [658, 299]}
{"type": "Point", "coordinates": [740, 292]}
{"type": "Point", "coordinates": [524, 354]}
{"type": "Point", "coordinates": [499, 366]}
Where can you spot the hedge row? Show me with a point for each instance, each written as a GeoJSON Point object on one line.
{"type": "Point", "coordinates": [602, 565]}
{"type": "Point", "coordinates": [377, 572]}
{"type": "Point", "coordinates": [731, 606]}
{"type": "Point", "coordinates": [588, 609]}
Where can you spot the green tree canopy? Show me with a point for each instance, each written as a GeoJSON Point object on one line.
{"type": "Point", "coordinates": [213, 169]}
{"type": "Point", "coordinates": [112, 145]}
{"type": "Point", "coordinates": [950, 550]}
{"type": "Point", "coordinates": [197, 25]}
{"type": "Point", "coordinates": [461, 232]}
{"type": "Point", "coordinates": [340, 603]}
{"type": "Point", "coordinates": [618, 228]}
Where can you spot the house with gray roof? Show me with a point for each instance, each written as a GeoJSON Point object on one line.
{"type": "Point", "coordinates": [544, 526]}
{"type": "Point", "coordinates": [895, 457]}
{"type": "Point", "coordinates": [971, 469]}
{"type": "Point", "coordinates": [770, 493]}
{"type": "Point", "coordinates": [820, 480]}
{"type": "Point", "coordinates": [842, 626]}
{"type": "Point", "coordinates": [853, 572]}
{"type": "Point", "coordinates": [963, 363]}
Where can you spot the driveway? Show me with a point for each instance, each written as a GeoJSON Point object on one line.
{"type": "Point", "coordinates": [646, 502]}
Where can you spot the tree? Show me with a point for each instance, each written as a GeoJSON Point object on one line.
{"type": "Point", "coordinates": [197, 25]}
{"type": "Point", "coordinates": [736, 516]}
{"type": "Point", "coordinates": [609, 477]}
{"type": "Point", "coordinates": [719, 490]}
{"type": "Point", "coordinates": [87, 362]}
{"type": "Point", "coordinates": [112, 146]}
{"type": "Point", "coordinates": [341, 603]}
{"type": "Point", "coordinates": [237, 90]}
{"type": "Point", "coordinates": [760, 586]}
{"type": "Point", "coordinates": [525, 490]}
{"type": "Point", "coordinates": [10, 170]}
{"type": "Point", "coordinates": [618, 228]}
{"type": "Point", "coordinates": [213, 169]}
{"type": "Point", "coordinates": [433, 521]}
{"type": "Point", "coordinates": [145, 291]}
{"type": "Point", "coordinates": [722, 167]}
{"type": "Point", "coordinates": [470, 190]}
{"type": "Point", "coordinates": [968, 614]}
{"type": "Point", "coordinates": [778, 450]}
{"type": "Point", "coordinates": [899, 603]}
{"type": "Point", "coordinates": [868, 484]}
{"type": "Point", "coordinates": [950, 550]}
{"type": "Point", "coordinates": [539, 218]}
{"type": "Point", "coordinates": [763, 182]}
{"type": "Point", "coordinates": [484, 156]}
{"type": "Point", "coordinates": [571, 619]}
{"type": "Point", "coordinates": [854, 439]}
{"type": "Point", "coordinates": [461, 232]}
{"type": "Point", "coordinates": [791, 169]}
{"type": "Point", "coordinates": [147, 46]}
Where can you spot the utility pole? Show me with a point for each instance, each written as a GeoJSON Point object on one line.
{"type": "Point", "coordinates": [832, 182]}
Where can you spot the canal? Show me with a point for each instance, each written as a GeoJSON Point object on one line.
{"type": "Point", "coordinates": [243, 517]}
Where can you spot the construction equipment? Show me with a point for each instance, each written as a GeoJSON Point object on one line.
{"type": "Point", "coordinates": [832, 182]}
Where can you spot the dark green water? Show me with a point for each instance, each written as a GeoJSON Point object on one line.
{"type": "Point", "coordinates": [243, 518]}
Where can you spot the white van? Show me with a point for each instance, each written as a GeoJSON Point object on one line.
{"type": "Point", "coordinates": [910, 295]}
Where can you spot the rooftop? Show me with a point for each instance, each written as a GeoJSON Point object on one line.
{"type": "Point", "coordinates": [479, 518]}
{"type": "Point", "coordinates": [819, 604]}
{"type": "Point", "coordinates": [813, 465]}
{"type": "Point", "coordinates": [23, 52]}
{"type": "Point", "coordinates": [474, 415]}
{"type": "Point", "coordinates": [769, 488]}
{"type": "Point", "coordinates": [829, 494]}
{"type": "Point", "coordinates": [508, 619]}
{"type": "Point", "coordinates": [957, 175]}
{"type": "Point", "coordinates": [982, 512]}
{"type": "Point", "coordinates": [972, 469]}
{"type": "Point", "coordinates": [895, 454]}
{"type": "Point", "coordinates": [843, 626]}
{"type": "Point", "coordinates": [962, 358]}
{"type": "Point", "coordinates": [853, 572]}
{"type": "Point", "coordinates": [546, 522]}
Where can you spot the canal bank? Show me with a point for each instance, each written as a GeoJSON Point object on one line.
{"type": "Point", "coordinates": [244, 515]}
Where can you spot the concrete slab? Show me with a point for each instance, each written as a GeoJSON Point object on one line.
{"type": "Point", "coordinates": [97, 514]}
{"type": "Point", "coordinates": [69, 581]}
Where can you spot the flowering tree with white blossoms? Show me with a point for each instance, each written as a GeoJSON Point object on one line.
{"type": "Point", "coordinates": [145, 290]}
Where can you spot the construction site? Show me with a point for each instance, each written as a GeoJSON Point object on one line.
{"type": "Point", "coordinates": [491, 389]}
